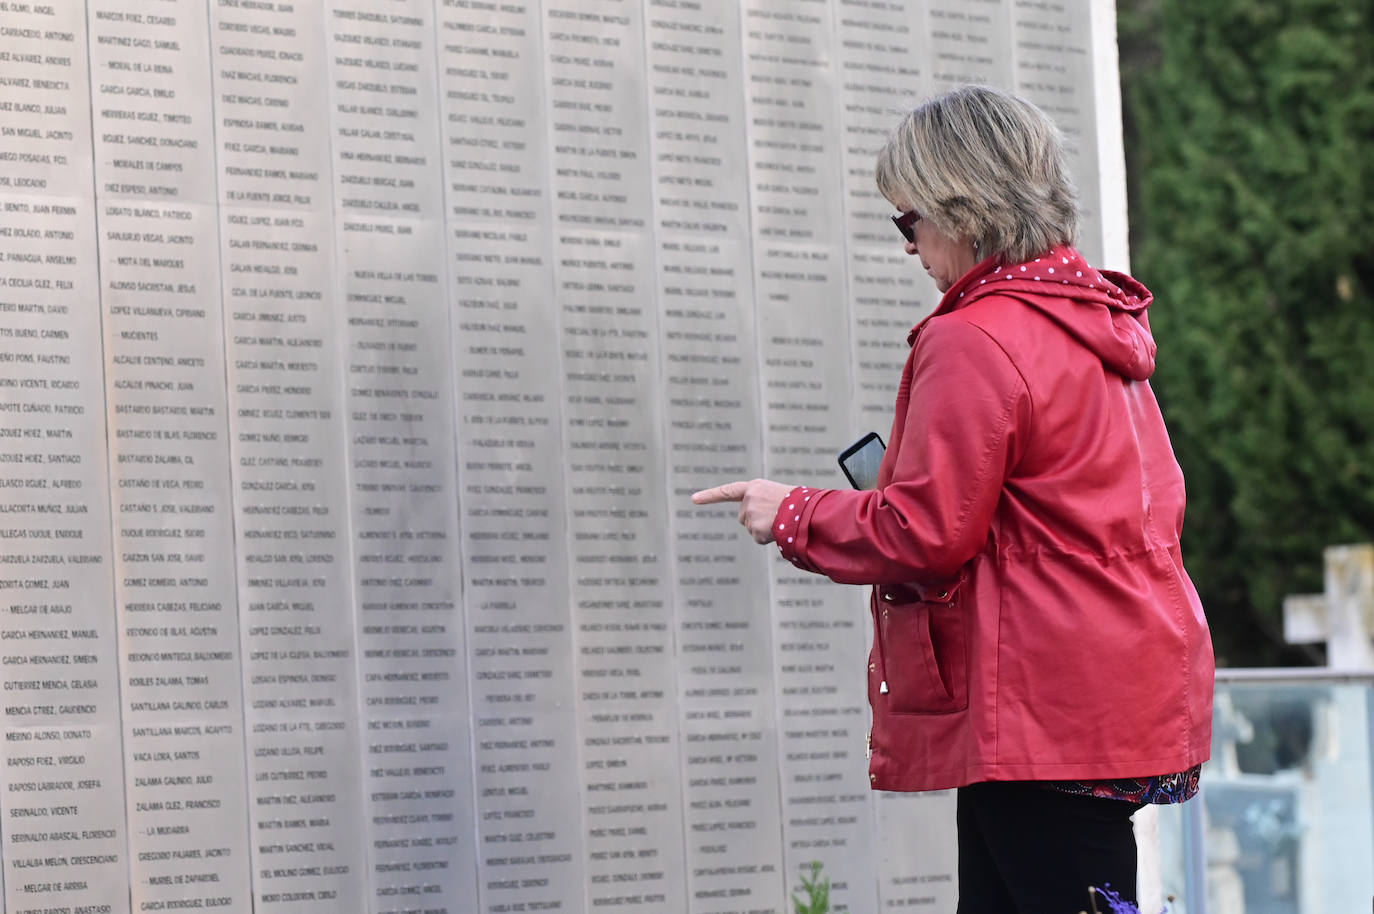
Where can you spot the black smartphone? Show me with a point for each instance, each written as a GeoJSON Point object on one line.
{"type": "Point", "coordinates": [860, 461]}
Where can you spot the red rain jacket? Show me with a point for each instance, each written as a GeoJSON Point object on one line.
{"type": "Point", "coordinates": [1033, 620]}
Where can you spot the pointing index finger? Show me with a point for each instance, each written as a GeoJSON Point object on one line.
{"type": "Point", "coordinates": [731, 491]}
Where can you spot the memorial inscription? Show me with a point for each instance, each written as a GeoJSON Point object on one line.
{"type": "Point", "coordinates": [499, 249]}
{"type": "Point", "coordinates": [176, 600]}
{"type": "Point", "coordinates": [620, 591]}
{"type": "Point", "coordinates": [357, 361]}
{"type": "Point", "coordinates": [303, 728]}
{"type": "Point", "coordinates": [799, 255]}
{"type": "Point", "coordinates": [63, 827]}
{"type": "Point", "coordinates": [707, 331]}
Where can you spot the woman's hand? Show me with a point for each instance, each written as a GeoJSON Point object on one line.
{"type": "Point", "coordinates": [758, 499]}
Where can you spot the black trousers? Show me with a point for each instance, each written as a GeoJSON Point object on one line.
{"type": "Point", "coordinates": [1028, 849]}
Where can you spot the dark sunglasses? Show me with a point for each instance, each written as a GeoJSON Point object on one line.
{"type": "Point", "coordinates": [904, 224]}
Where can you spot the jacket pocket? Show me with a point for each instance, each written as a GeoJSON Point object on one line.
{"type": "Point", "coordinates": [925, 653]}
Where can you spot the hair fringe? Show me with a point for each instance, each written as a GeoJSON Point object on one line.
{"type": "Point", "coordinates": [982, 164]}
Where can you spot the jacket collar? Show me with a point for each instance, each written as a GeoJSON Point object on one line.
{"type": "Point", "coordinates": [1103, 310]}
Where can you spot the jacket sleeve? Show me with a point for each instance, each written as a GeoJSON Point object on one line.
{"type": "Point", "coordinates": [965, 429]}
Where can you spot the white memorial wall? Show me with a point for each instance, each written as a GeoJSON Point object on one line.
{"type": "Point", "coordinates": [357, 360]}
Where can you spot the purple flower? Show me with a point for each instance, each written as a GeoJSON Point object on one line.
{"type": "Point", "coordinates": [1118, 904]}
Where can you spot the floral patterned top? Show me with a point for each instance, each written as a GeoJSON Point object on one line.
{"type": "Point", "coordinates": [1164, 788]}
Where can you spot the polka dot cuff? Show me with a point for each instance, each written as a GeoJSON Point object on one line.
{"type": "Point", "coordinates": [790, 524]}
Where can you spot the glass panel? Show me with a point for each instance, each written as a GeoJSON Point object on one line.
{"type": "Point", "coordinates": [1287, 813]}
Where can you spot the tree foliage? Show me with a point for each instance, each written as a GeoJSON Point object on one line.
{"type": "Point", "coordinates": [1249, 127]}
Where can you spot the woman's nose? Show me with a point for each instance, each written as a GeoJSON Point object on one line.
{"type": "Point", "coordinates": [911, 247]}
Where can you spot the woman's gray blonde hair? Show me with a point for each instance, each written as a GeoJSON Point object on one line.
{"type": "Point", "coordinates": [983, 165]}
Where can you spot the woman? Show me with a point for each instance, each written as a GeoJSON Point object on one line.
{"type": "Point", "coordinates": [1038, 644]}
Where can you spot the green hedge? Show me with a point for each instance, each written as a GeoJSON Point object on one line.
{"type": "Point", "coordinates": [1250, 157]}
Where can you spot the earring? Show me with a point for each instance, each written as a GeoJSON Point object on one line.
{"type": "Point", "coordinates": [976, 246]}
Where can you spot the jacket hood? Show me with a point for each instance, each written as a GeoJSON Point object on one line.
{"type": "Point", "coordinates": [1102, 309]}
